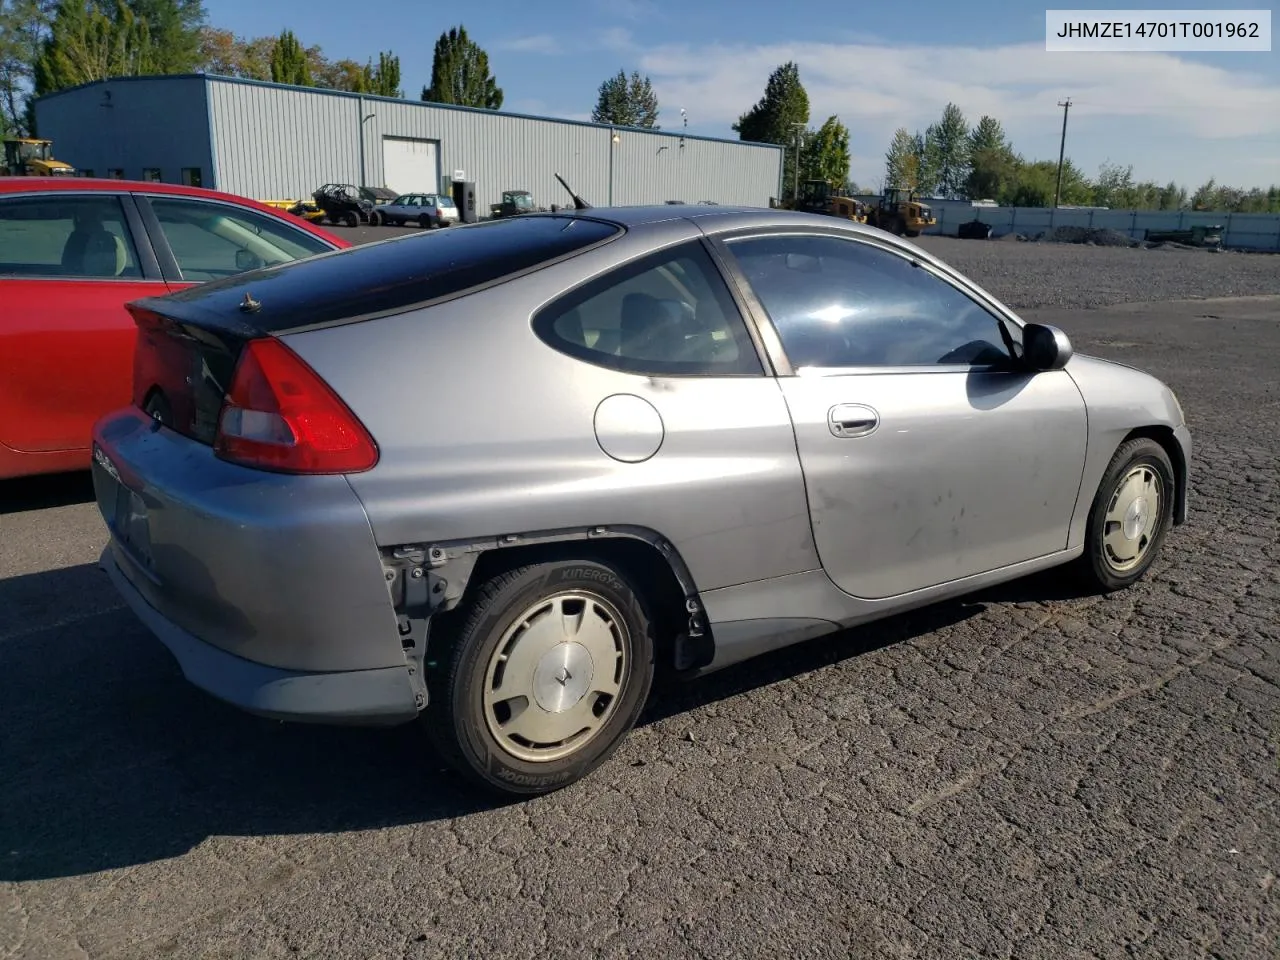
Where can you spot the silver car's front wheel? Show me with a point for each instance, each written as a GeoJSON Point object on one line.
{"type": "Point", "coordinates": [1131, 513]}
{"type": "Point", "coordinates": [541, 675]}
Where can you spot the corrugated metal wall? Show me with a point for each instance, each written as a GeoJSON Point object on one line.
{"type": "Point", "coordinates": [278, 142]}
{"type": "Point", "coordinates": [131, 125]}
{"type": "Point", "coordinates": [275, 143]}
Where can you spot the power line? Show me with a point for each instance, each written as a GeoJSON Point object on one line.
{"type": "Point", "coordinates": [1062, 149]}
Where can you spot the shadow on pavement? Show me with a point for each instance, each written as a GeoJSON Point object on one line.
{"type": "Point", "coordinates": [40, 493]}
{"type": "Point", "coordinates": [111, 759]}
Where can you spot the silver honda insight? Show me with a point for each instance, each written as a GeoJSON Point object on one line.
{"type": "Point", "coordinates": [491, 478]}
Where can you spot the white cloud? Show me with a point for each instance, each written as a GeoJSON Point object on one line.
{"type": "Point", "coordinates": [635, 10]}
{"type": "Point", "coordinates": [876, 88]}
{"type": "Point", "coordinates": [539, 43]}
{"type": "Point", "coordinates": [617, 38]}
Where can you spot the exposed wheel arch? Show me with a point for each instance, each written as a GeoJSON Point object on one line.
{"type": "Point", "coordinates": [449, 572]}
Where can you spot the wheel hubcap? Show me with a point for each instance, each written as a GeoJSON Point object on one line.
{"type": "Point", "coordinates": [1132, 516]}
{"type": "Point", "coordinates": [554, 679]}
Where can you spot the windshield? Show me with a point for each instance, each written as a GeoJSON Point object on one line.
{"type": "Point", "coordinates": [33, 151]}
{"type": "Point", "coordinates": [522, 201]}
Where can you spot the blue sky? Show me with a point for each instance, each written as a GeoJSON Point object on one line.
{"type": "Point", "coordinates": [1183, 117]}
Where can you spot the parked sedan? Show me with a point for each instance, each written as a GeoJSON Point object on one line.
{"type": "Point", "coordinates": [73, 251]}
{"type": "Point", "coordinates": [424, 209]}
{"type": "Point", "coordinates": [489, 480]}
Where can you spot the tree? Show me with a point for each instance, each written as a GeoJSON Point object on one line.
{"type": "Point", "coordinates": [902, 161]}
{"type": "Point", "coordinates": [774, 118]}
{"type": "Point", "coordinates": [24, 24]}
{"type": "Point", "coordinates": [87, 42]}
{"type": "Point", "coordinates": [826, 154]}
{"type": "Point", "coordinates": [947, 148]}
{"type": "Point", "coordinates": [460, 73]}
{"type": "Point", "coordinates": [993, 166]}
{"type": "Point", "coordinates": [627, 102]}
{"type": "Point", "coordinates": [289, 63]}
{"type": "Point", "coordinates": [383, 80]}
{"type": "Point", "coordinates": [992, 173]}
{"type": "Point", "coordinates": [173, 33]}
{"type": "Point", "coordinates": [1035, 185]}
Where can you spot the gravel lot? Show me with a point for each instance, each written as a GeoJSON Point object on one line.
{"type": "Point", "coordinates": [1028, 773]}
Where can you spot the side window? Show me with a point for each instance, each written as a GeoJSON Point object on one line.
{"type": "Point", "coordinates": [668, 314]}
{"type": "Point", "coordinates": [66, 236]}
{"type": "Point", "coordinates": [213, 240]}
{"type": "Point", "coordinates": [843, 303]}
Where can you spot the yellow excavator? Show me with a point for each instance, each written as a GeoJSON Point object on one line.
{"type": "Point", "coordinates": [900, 215]}
{"type": "Point", "coordinates": [28, 157]}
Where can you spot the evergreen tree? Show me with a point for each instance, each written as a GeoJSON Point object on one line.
{"type": "Point", "coordinates": [289, 62]}
{"type": "Point", "coordinates": [774, 117]}
{"type": "Point", "coordinates": [627, 102]}
{"type": "Point", "coordinates": [460, 73]}
{"type": "Point", "coordinates": [948, 152]}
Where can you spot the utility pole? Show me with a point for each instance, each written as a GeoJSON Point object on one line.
{"type": "Point", "coordinates": [1062, 150]}
{"type": "Point", "coordinates": [799, 127]}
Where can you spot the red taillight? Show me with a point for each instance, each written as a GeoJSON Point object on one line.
{"type": "Point", "coordinates": [279, 415]}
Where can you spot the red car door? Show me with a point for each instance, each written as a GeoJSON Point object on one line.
{"type": "Point", "coordinates": [69, 262]}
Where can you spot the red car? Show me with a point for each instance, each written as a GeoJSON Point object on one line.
{"type": "Point", "coordinates": [73, 252]}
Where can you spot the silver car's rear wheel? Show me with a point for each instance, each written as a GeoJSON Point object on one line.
{"type": "Point", "coordinates": [540, 676]}
{"type": "Point", "coordinates": [553, 679]}
{"type": "Point", "coordinates": [1131, 514]}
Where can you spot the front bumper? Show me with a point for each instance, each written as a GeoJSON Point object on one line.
{"type": "Point", "coordinates": [380, 697]}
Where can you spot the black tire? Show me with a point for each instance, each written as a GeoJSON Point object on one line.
{"type": "Point", "coordinates": [913, 233]}
{"type": "Point", "coordinates": [375, 219]}
{"type": "Point", "coordinates": [457, 720]}
{"type": "Point", "coordinates": [351, 219]}
{"type": "Point", "coordinates": [425, 222]}
{"type": "Point", "coordinates": [1097, 564]}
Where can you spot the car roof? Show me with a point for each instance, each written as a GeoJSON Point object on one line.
{"type": "Point", "coordinates": [111, 185]}
{"type": "Point", "coordinates": [715, 219]}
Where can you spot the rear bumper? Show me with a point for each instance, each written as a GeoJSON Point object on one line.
{"type": "Point", "coordinates": [268, 588]}
{"type": "Point", "coordinates": [379, 697]}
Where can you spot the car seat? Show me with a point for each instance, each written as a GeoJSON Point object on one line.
{"type": "Point", "coordinates": [92, 251]}
{"type": "Point", "coordinates": [649, 331]}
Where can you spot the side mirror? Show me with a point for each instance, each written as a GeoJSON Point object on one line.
{"type": "Point", "coordinates": [1045, 347]}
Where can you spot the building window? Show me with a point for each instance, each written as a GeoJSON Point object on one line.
{"type": "Point", "coordinates": [115, 173]}
{"type": "Point", "coordinates": [191, 177]}
{"type": "Point", "coordinates": [151, 174]}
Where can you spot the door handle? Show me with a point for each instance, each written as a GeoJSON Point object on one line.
{"type": "Point", "coordinates": [848, 420]}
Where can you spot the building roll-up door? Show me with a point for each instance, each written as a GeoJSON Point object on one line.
{"type": "Point", "coordinates": [410, 166]}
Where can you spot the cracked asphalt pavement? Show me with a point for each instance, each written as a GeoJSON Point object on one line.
{"type": "Point", "coordinates": [1026, 773]}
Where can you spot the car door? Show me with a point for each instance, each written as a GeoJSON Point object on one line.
{"type": "Point", "coordinates": [928, 454]}
{"type": "Point", "coordinates": [69, 262]}
{"type": "Point", "coordinates": [199, 239]}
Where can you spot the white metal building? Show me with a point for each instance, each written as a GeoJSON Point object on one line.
{"type": "Point", "coordinates": [270, 141]}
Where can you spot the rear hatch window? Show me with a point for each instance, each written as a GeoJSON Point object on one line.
{"type": "Point", "coordinates": [384, 277]}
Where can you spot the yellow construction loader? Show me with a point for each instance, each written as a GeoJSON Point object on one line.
{"type": "Point", "coordinates": [900, 215]}
{"type": "Point", "coordinates": [822, 197]}
{"type": "Point", "coordinates": [26, 157]}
